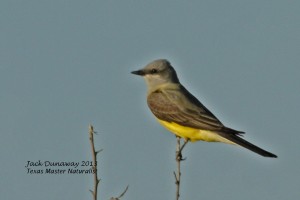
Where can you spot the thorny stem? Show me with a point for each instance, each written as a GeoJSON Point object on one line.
{"type": "Point", "coordinates": [94, 167]}
{"type": "Point", "coordinates": [179, 158]}
{"type": "Point", "coordinates": [94, 154]}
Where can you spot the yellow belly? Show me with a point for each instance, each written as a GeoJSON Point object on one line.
{"type": "Point", "coordinates": [193, 134]}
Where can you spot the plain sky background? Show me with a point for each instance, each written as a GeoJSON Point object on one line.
{"type": "Point", "coordinates": [66, 64]}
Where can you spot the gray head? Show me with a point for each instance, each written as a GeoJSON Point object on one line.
{"type": "Point", "coordinates": [158, 72]}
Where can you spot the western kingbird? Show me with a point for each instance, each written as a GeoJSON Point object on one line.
{"type": "Point", "coordinates": [181, 113]}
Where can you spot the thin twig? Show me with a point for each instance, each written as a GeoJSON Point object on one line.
{"type": "Point", "coordinates": [179, 158]}
{"type": "Point", "coordinates": [94, 154]}
{"type": "Point", "coordinates": [119, 197]}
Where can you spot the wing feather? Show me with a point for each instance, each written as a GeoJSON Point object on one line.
{"type": "Point", "coordinates": [183, 108]}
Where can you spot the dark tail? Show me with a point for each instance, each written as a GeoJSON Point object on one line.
{"type": "Point", "coordinates": [236, 139]}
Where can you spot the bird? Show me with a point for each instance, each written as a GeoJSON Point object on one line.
{"type": "Point", "coordinates": [176, 109]}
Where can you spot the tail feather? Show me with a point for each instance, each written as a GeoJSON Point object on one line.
{"type": "Point", "coordinates": [237, 140]}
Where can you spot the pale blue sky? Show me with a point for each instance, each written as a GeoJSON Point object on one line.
{"type": "Point", "coordinates": [66, 64]}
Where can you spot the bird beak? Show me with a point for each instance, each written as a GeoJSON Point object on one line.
{"type": "Point", "coordinates": [138, 72]}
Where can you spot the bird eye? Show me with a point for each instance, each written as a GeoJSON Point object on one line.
{"type": "Point", "coordinates": [153, 71]}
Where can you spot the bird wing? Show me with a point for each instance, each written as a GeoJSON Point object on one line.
{"type": "Point", "coordinates": [177, 105]}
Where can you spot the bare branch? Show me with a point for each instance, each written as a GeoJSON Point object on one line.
{"type": "Point", "coordinates": [179, 158]}
{"type": "Point", "coordinates": [94, 167]}
{"type": "Point", "coordinates": [121, 195]}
